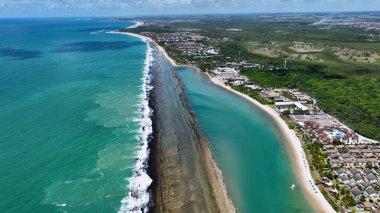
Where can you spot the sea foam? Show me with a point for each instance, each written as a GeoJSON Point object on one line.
{"type": "Point", "coordinates": [139, 196]}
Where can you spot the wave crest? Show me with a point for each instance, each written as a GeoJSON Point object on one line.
{"type": "Point", "coordinates": [138, 197]}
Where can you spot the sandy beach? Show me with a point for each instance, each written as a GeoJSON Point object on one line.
{"type": "Point", "coordinates": [174, 64]}
{"type": "Point", "coordinates": [302, 169]}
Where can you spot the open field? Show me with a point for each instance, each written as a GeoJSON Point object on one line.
{"type": "Point", "coordinates": [346, 54]}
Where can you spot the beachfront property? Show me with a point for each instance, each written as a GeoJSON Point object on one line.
{"type": "Point", "coordinates": [253, 87]}
{"type": "Point", "coordinates": [271, 94]}
{"type": "Point", "coordinates": [187, 43]}
{"type": "Point", "coordinates": [329, 134]}
{"type": "Point", "coordinates": [225, 73]}
{"type": "Point", "coordinates": [169, 38]}
{"type": "Point", "coordinates": [300, 96]}
{"type": "Point", "coordinates": [291, 106]}
{"type": "Point", "coordinates": [292, 98]}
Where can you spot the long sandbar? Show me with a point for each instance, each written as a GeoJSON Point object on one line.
{"type": "Point", "coordinates": [213, 185]}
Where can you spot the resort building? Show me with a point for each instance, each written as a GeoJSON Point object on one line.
{"type": "Point", "coordinates": [226, 72]}
{"type": "Point", "coordinates": [283, 106]}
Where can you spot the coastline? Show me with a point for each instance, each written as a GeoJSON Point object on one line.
{"type": "Point", "coordinates": [139, 196]}
{"type": "Point", "coordinates": [214, 174]}
{"type": "Point", "coordinates": [294, 145]}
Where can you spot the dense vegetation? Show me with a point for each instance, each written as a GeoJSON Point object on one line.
{"type": "Point", "coordinates": [318, 159]}
{"type": "Point", "coordinates": [253, 94]}
{"type": "Point", "coordinates": [353, 99]}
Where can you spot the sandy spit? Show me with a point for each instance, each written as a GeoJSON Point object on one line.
{"type": "Point", "coordinates": [215, 175]}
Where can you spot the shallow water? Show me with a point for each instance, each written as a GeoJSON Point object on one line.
{"type": "Point", "coordinates": [247, 148]}
{"type": "Point", "coordinates": [180, 178]}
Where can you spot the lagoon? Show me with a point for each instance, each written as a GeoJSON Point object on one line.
{"type": "Point", "coordinates": [247, 147]}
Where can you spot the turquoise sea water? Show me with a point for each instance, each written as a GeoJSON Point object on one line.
{"type": "Point", "coordinates": [247, 147]}
{"type": "Point", "coordinates": [69, 114]}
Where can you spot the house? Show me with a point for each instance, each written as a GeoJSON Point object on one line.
{"type": "Point", "coordinates": [371, 193]}
{"type": "Point", "coordinates": [343, 150]}
{"type": "Point", "coordinates": [326, 140]}
{"type": "Point", "coordinates": [356, 155]}
{"type": "Point", "coordinates": [354, 171]}
{"type": "Point", "coordinates": [327, 182]}
{"type": "Point", "coordinates": [336, 163]}
{"type": "Point", "coordinates": [360, 162]}
{"type": "Point", "coordinates": [326, 147]}
{"type": "Point", "coordinates": [353, 151]}
{"type": "Point", "coordinates": [367, 206]}
{"type": "Point", "coordinates": [371, 178]}
{"type": "Point", "coordinates": [366, 171]}
{"type": "Point", "coordinates": [348, 162]}
{"type": "Point", "coordinates": [366, 151]}
{"type": "Point", "coordinates": [373, 161]}
{"type": "Point", "coordinates": [344, 155]}
{"type": "Point", "coordinates": [344, 179]}
{"type": "Point", "coordinates": [339, 172]}
{"type": "Point", "coordinates": [376, 206]}
{"type": "Point", "coordinates": [356, 193]}
{"type": "Point", "coordinates": [332, 156]}
{"type": "Point", "coordinates": [377, 184]}
{"type": "Point", "coordinates": [351, 185]}
{"type": "Point", "coordinates": [365, 184]}
{"type": "Point", "coordinates": [358, 178]}
{"type": "Point", "coordinates": [331, 151]}
{"type": "Point", "coordinates": [377, 171]}
{"type": "Point", "coordinates": [368, 155]}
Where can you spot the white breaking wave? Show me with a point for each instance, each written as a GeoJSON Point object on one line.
{"type": "Point", "coordinates": [138, 197]}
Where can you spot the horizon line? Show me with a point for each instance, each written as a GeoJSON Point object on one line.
{"type": "Point", "coordinates": [190, 14]}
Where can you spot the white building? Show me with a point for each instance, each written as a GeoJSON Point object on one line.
{"type": "Point", "coordinates": [282, 106]}
{"type": "Point", "coordinates": [226, 72]}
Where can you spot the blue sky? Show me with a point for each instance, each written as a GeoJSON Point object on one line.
{"type": "Point", "coordinates": [41, 8]}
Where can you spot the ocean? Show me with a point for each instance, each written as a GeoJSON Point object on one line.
{"type": "Point", "coordinates": [247, 147]}
{"type": "Point", "coordinates": [74, 116]}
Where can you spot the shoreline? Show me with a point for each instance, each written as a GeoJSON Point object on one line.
{"type": "Point", "coordinates": [294, 145]}
{"type": "Point", "coordinates": [214, 174]}
{"type": "Point", "coordinates": [139, 196]}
